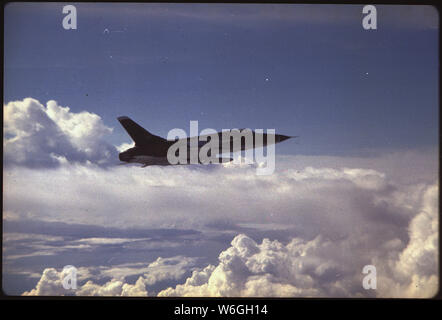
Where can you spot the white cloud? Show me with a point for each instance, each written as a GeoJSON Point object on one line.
{"type": "Point", "coordinates": [124, 146]}
{"type": "Point", "coordinates": [113, 288]}
{"type": "Point", "coordinates": [47, 136]}
{"type": "Point", "coordinates": [341, 220]}
{"type": "Point", "coordinates": [267, 269]}
{"type": "Point", "coordinates": [51, 284]}
{"type": "Point", "coordinates": [192, 196]}
{"type": "Point", "coordinates": [173, 268]}
{"type": "Point", "coordinates": [167, 268]}
{"type": "Point", "coordinates": [415, 273]}
{"type": "Point", "coordinates": [324, 268]}
{"type": "Point", "coordinates": [327, 216]}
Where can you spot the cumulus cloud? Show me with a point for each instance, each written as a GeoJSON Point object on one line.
{"type": "Point", "coordinates": [51, 284]}
{"type": "Point", "coordinates": [324, 268]}
{"type": "Point", "coordinates": [47, 136]}
{"type": "Point", "coordinates": [339, 220]}
{"type": "Point", "coordinates": [113, 288]}
{"type": "Point", "coordinates": [172, 268]}
{"type": "Point", "coordinates": [415, 272]}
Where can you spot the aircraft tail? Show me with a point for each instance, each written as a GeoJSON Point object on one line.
{"type": "Point", "coordinates": [139, 135]}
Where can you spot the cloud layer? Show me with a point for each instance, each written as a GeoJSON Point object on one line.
{"type": "Point", "coordinates": [306, 230]}
{"type": "Point", "coordinates": [324, 268]}
{"type": "Point", "coordinates": [329, 224]}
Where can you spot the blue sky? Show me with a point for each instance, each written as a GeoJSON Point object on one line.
{"type": "Point", "coordinates": [311, 71]}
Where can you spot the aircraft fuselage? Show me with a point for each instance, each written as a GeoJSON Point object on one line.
{"type": "Point", "coordinates": [153, 150]}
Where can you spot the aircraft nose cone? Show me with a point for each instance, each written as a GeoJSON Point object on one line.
{"type": "Point", "coordinates": [282, 137]}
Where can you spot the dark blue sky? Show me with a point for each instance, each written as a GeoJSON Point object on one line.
{"type": "Point", "coordinates": [304, 70]}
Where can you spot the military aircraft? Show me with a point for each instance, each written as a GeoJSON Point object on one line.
{"type": "Point", "coordinates": [150, 149]}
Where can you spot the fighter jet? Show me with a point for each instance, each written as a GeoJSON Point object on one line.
{"type": "Point", "coordinates": [150, 149]}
